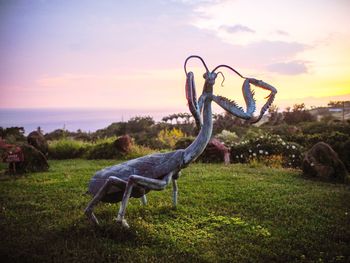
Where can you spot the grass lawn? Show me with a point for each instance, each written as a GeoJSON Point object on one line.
{"type": "Point", "coordinates": [232, 213]}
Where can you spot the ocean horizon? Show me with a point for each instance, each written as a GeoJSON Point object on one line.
{"type": "Point", "coordinates": [88, 120]}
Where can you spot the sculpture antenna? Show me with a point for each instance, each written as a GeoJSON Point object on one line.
{"type": "Point", "coordinates": [195, 56]}
{"type": "Point", "coordinates": [223, 78]}
{"type": "Point", "coordinates": [226, 66]}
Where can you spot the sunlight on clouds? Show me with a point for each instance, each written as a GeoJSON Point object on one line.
{"type": "Point", "coordinates": [148, 88]}
{"type": "Point", "coordinates": [108, 57]}
{"type": "Point", "coordinates": [283, 21]}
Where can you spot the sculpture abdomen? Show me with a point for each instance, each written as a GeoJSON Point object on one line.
{"type": "Point", "coordinates": [154, 166]}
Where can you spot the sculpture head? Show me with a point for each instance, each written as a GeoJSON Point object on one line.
{"type": "Point", "coordinates": [209, 76]}
{"type": "Point", "coordinates": [223, 102]}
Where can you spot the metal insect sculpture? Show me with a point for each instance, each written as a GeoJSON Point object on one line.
{"type": "Point", "coordinates": [135, 178]}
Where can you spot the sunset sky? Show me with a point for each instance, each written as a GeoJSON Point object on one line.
{"type": "Point", "coordinates": [130, 54]}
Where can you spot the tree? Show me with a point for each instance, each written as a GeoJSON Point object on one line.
{"type": "Point", "coordinates": [139, 124]}
{"type": "Point", "coordinates": [298, 114]}
{"type": "Point", "coordinates": [339, 104]}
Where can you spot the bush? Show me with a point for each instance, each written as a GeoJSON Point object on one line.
{"type": "Point", "coordinates": [170, 137]}
{"type": "Point", "coordinates": [227, 137]}
{"type": "Point", "coordinates": [67, 149]}
{"type": "Point", "coordinates": [137, 151]}
{"type": "Point", "coordinates": [102, 151]}
{"type": "Point", "coordinates": [265, 148]}
{"type": "Point", "coordinates": [273, 161]}
{"type": "Point", "coordinates": [183, 143]}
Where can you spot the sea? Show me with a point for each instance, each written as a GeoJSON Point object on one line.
{"type": "Point", "coordinates": [88, 120]}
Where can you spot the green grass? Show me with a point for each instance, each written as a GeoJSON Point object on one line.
{"type": "Point", "coordinates": [232, 213]}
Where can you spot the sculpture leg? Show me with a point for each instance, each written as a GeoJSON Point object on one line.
{"type": "Point", "coordinates": [152, 184]}
{"type": "Point", "coordinates": [100, 194]}
{"type": "Point", "coordinates": [175, 192]}
{"type": "Point", "coordinates": [144, 200]}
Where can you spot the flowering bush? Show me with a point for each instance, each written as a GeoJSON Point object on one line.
{"type": "Point", "coordinates": [170, 137]}
{"type": "Point", "coordinates": [267, 147]}
{"type": "Point", "coordinates": [227, 137]}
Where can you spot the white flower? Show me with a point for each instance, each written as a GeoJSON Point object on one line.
{"type": "Point", "coordinates": [293, 147]}
{"type": "Point", "coordinates": [261, 137]}
{"type": "Point", "coordinates": [241, 155]}
{"type": "Point", "coordinates": [254, 154]}
{"type": "Point", "coordinates": [250, 150]}
{"type": "Point", "coordinates": [237, 156]}
{"type": "Point", "coordinates": [261, 151]}
{"type": "Point", "coordinates": [287, 146]}
{"type": "Point", "coordinates": [283, 143]}
{"type": "Point", "coordinates": [266, 153]}
{"type": "Point", "coordinates": [293, 156]}
{"type": "Point", "coordinates": [290, 164]}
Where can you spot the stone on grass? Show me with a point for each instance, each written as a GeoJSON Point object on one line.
{"type": "Point", "coordinates": [322, 161]}
{"type": "Point", "coordinates": [216, 151]}
{"type": "Point", "coordinates": [37, 140]}
{"type": "Point", "coordinates": [123, 144]}
{"type": "Point", "coordinates": [34, 160]}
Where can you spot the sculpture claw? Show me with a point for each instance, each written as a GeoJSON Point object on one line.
{"type": "Point", "coordinates": [270, 98]}
{"type": "Point", "coordinates": [191, 97]}
{"type": "Point", "coordinates": [122, 222]}
{"type": "Point", "coordinates": [91, 216]}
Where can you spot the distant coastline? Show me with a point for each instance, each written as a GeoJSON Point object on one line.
{"type": "Point", "coordinates": [72, 119]}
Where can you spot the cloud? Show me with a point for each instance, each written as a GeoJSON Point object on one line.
{"type": "Point", "coordinates": [237, 29]}
{"type": "Point", "coordinates": [289, 68]}
{"type": "Point", "coordinates": [282, 33]}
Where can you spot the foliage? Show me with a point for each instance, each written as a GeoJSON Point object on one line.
{"type": "Point", "coordinates": [264, 146]}
{"type": "Point", "coordinates": [139, 124]}
{"type": "Point", "coordinates": [227, 137]}
{"type": "Point", "coordinates": [298, 114]}
{"type": "Point", "coordinates": [67, 149]}
{"type": "Point", "coordinates": [184, 142]}
{"type": "Point", "coordinates": [12, 134]}
{"type": "Point", "coordinates": [228, 122]}
{"type": "Point", "coordinates": [339, 104]}
{"type": "Point", "coordinates": [232, 213]}
{"type": "Point", "coordinates": [137, 151]}
{"type": "Point", "coordinates": [170, 137]}
{"type": "Point", "coordinates": [102, 151]}
{"type": "Point", "coordinates": [273, 161]}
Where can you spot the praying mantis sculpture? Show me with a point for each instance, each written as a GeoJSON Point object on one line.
{"type": "Point", "coordinates": [135, 178]}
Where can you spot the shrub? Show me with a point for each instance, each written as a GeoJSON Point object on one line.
{"type": "Point", "coordinates": [102, 151]}
{"type": "Point", "coordinates": [183, 142]}
{"type": "Point", "coordinates": [273, 161]}
{"type": "Point", "coordinates": [149, 141]}
{"type": "Point", "coordinates": [263, 147]}
{"type": "Point", "coordinates": [227, 137]}
{"type": "Point", "coordinates": [170, 137]}
{"type": "Point", "coordinates": [67, 149]}
{"type": "Point", "coordinates": [137, 151]}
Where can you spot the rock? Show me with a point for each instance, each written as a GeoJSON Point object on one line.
{"type": "Point", "coordinates": [216, 151]}
{"type": "Point", "coordinates": [34, 160]}
{"type": "Point", "coordinates": [37, 140]}
{"type": "Point", "coordinates": [123, 144]}
{"type": "Point", "coordinates": [322, 161]}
